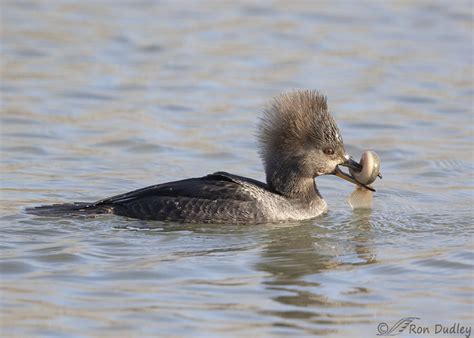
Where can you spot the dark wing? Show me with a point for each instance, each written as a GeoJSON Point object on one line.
{"type": "Point", "coordinates": [215, 198]}
{"type": "Point", "coordinates": [218, 185]}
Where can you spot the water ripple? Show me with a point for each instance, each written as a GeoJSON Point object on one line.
{"type": "Point", "coordinates": [99, 100]}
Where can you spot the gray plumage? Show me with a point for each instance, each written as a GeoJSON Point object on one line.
{"type": "Point", "coordinates": [299, 140]}
{"type": "Point", "coordinates": [293, 132]}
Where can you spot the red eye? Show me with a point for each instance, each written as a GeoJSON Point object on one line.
{"type": "Point", "coordinates": [328, 151]}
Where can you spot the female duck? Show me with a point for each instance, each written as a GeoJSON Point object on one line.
{"type": "Point", "coordinates": [299, 141]}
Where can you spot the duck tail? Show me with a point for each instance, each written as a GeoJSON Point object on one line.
{"type": "Point", "coordinates": [68, 209]}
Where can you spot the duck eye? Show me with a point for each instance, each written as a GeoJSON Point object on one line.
{"type": "Point", "coordinates": [328, 151]}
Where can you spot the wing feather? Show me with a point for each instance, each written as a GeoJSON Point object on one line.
{"type": "Point", "coordinates": [218, 197]}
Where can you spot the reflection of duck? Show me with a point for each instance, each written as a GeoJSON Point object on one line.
{"type": "Point", "coordinates": [308, 248]}
{"type": "Point", "coordinates": [299, 141]}
{"type": "Point", "coordinates": [303, 261]}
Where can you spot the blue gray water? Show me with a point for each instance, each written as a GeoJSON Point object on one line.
{"type": "Point", "coordinates": [100, 97]}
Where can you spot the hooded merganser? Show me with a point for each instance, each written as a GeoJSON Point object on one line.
{"type": "Point", "coordinates": [299, 140]}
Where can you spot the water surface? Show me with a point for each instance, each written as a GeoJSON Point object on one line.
{"type": "Point", "coordinates": [99, 99]}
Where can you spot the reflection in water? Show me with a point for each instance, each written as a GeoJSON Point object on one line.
{"type": "Point", "coordinates": [294, 252]}
{"type": "Point", "coordinates": [98, 100]}
{"type": "Point", "coordinates": [295, 256]}
{"type": "Point", "coordinates": [363, 238]}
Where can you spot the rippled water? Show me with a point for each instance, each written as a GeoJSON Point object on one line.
{"type": "Point", "coordinates": [98, 98]}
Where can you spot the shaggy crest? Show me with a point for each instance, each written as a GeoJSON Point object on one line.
{"type": "Point", "coordinates": [296, 121]}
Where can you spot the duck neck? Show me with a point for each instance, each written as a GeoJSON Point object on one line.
{"type": "Point", "coordinates": [292, 182]}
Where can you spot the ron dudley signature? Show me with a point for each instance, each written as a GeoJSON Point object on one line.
{"type": "Point", "coordinates": [410, 325]}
